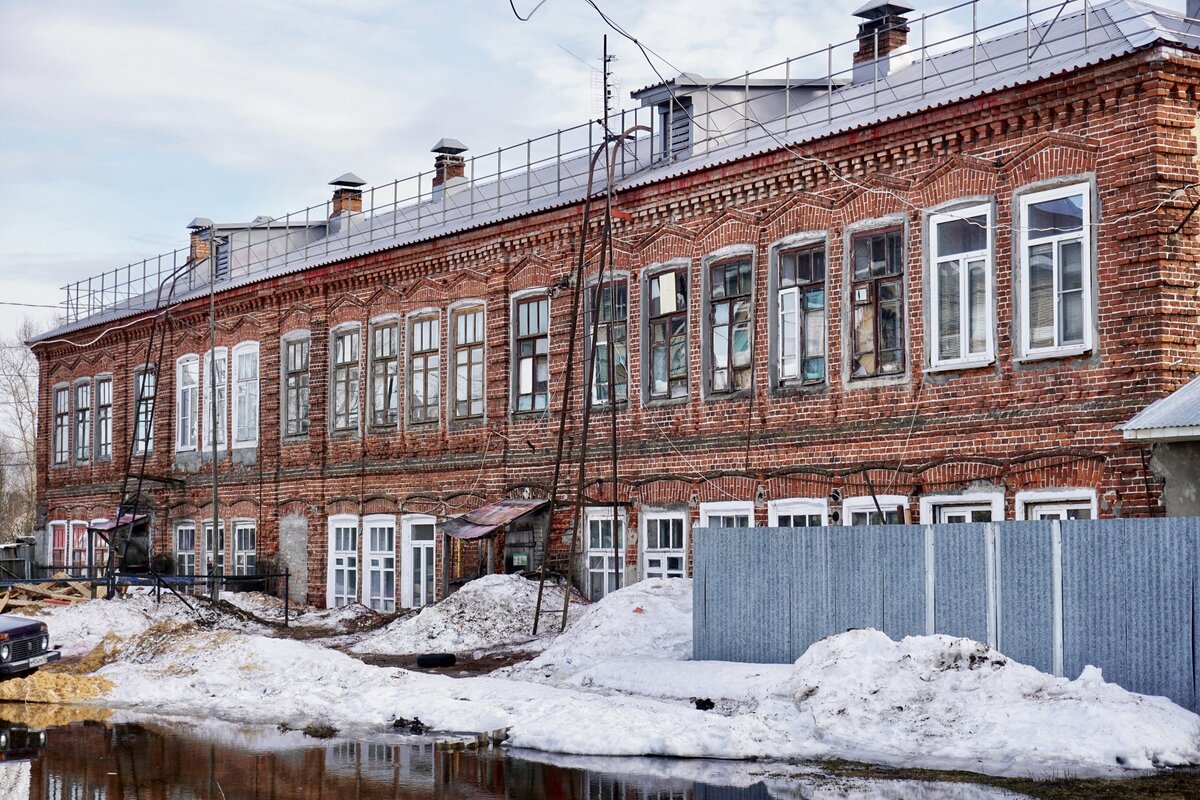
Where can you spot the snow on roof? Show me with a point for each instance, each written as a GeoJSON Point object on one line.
{"type": "Point", "coordinates": [1070, 42]}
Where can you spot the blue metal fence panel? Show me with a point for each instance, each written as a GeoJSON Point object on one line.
{"type": "Point", "coordinates": [1025, 578]}
{"type": "Point", "coordinates": [812, 590]}
{"type": "Point", "coordinates": [960, 580]}
{"type": "Point", "coordinates": [856, 577]}
{"type": "Point", "coordinates": [1159, 608]}
{"type": "Point", "coordinates": [1095, 588]}
{"type": "Point", "coordinates": [903, 565]}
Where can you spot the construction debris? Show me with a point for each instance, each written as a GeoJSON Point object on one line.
{"type": "Point", "coordinates": [62, 591]}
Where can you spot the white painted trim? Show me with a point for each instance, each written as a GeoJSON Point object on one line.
{"type": "Point", "coordinates": [929, 503]}
{"type": "Point", "coordinates": [241, 348]}
{"type": "Point", "coordinates": [179, 365]}
{"type": "Point", "coordinates": [452, 311]}
{"type": "Point", "coordinates": [726, 507]}
{"type": "Point", "coordinates": [1056, 577]}
{"type": "Point", "coordinates": [797, 505]}
{"type": "Point", "coordinates": [620, 534]}
{"type": "Point", "coordinates": [405, 378]}
{"type": "Point", "coordinates": [647, 514]}
{"type": "Point", "coordinates": [514, 379]}
{"type": "Point", "coordinates": [207, 361]}
{"type": "Point", "coordinates": [1174, 433]}
{"type": "Point", "coordinates": [378, 520]}
{"type": "Point", "coordinates": [1027, 498]}
{"type": "Point", "coordinates": [933, 220]}
{"type": "Point", "coordinates": [405, 563]}
{"type": "Point", "coordinates": [867, 503]}
{"type": "Point", "coordinates": [991, 587]}
{"type": "Point", "coordinates": [330, 369]}
{"type": "Point", "coordinates": [930, 581]}
{"type": "Point", "coordinates": [342, 521]}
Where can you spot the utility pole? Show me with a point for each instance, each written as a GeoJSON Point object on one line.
{"type": "Point", "coordinates": [212, 382]}
{"type": "Point", "coordinates": [618, 534]}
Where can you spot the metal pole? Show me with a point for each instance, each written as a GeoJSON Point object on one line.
{"type": "Point", "coordinates": [829, 87]}
{"type": "Point", "coordinates": [787, 96]}
{"type": "Point", "coordinates": [1087, 13]}
{"type": "Point", "coordinates": [875, 73]}
{"type": "Point", "coordinates": [528, 170]}
{"type": "Point", "coordinates": [557, 162]}
{"type": "Point", "coordinates": [924, 53]}
{"type": "Point", "coordinates": [974, 36]}
{"type": "Point", "coordinates": [1028, 34]}
{"type": "Point", "coordinates": [287, 596]}
{"type": "Point", "coordinates": [212, 381]}
{"type": "Point", "coordinates": [499, 171]}
{"type": "Point", "coordinates": [746, 108]}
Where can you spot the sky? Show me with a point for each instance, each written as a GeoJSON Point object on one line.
{"type": "Point", "coordinates": [122, 121]}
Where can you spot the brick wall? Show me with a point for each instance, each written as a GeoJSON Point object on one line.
{"type": "Point", "coordinates": [1010, 426]}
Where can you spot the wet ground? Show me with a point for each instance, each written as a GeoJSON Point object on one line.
{"type": "Point", "coordinates": [50, 757]}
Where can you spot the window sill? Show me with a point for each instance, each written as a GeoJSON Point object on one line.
{"type": "Point", "coordinates": [245, 446]}
{"type": "Point", "coordinates": [295, 438]}
{"type": "Point", "coordinates": [798, 387]}
{"type": "Point", "coordinates": [960, 366]}
{"type": "Point", "coordinates": [1058, 352]}
{"type": "Point", "coordinates": [667, 402]}
{"type": "Point", "coordinates": [714, 397]}
{"type": "Point", "coordinates": [528, 414]}
{"type": "Point", "coordinates": [423, 427]}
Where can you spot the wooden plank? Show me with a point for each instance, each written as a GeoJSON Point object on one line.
{"type": "Point", "coordinates": [4, 601]}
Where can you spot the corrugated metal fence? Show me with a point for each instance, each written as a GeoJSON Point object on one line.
{"type": "Point", "coordinates": [1119, 594]}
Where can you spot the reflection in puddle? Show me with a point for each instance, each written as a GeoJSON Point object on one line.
{"type": "Point", "coordinates": [157, 758]}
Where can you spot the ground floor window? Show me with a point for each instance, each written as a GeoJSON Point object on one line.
{"type": "Point", "coordinates": [735, 514]}
{"type": "Point", "coordinates": [1057, 504]}
{"type": "Point", "coordinates": [959, 508]}
{"type": "Point", "coordinates": [797, 513]}
{"type": "Point", "coordinates": [663, 544]}
{"type": "Point", "coordinates": [343, 562]}
{"type": "Point", "coordinates": [58, 544]}
{"type": "Point", "coordinates": [78, 555]}
{"type": "Point", "coordinates": [99, 546]}
{"type": "Point", "coordinates": [214, 549]}
{"type": "Point", "coordinates": [419, 537]}
{"type": "Point", "coordinates": [381, 563]}
{"type": "Point", "coordinates": [245, 540]}
{"type": "Point", "coordinates": [605, 551]}
{"type": "Point", "coordinates": [884, 509]}
{"type": "Point", "coordinates": [185, 548]}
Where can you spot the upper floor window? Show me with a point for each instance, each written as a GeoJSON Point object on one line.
{"type": "Point", "coordinates": [295, 379]}
{"type": "Point", "coordinates": [533, 354]}
{"type": "Point", "coordinates": [668, 334]}
{"type": "Point", "coordinates": [187, 393]}
{"type": "Point", "coordinates": [729, 318]}
{"type": "Point", "coordinates": [385, 374]}
{"type": "Point", "coordinates": [216, 372]}
{"type": "Point", "coordinates": [961, 277]}
{"type": "Point", "coordinates": [62, 425]}
{"type": "Point", "coordinates": [801, 305]}
{"type": "Point", "coordinates": [145, 386]}
{"type": "Point", "coordinates": [877, 295]}
{"type": "Point", "coordinates": [468, 363]}
{"type": "Point", "coordinates": [245, 397]}
{"type": "Point", "coordinates": [83, 421]}
{"type": "Point", "coordinates": [1055, 265]}
{"type": "Point", "coordinates": [345, 379]}
{"type": "Point", "coordinates": [424, 370]}
{"type": "Point", "coordinates": [611, 328]}
{"type": "Point", "coordinates": [104, 401]}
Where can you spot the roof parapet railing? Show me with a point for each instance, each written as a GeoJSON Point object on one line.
{"type": "Point", "coordinates": [552, 168]}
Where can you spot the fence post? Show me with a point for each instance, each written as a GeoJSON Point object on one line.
{"type": "Point", "coordinates": [287, 595]}
{"type": "Point", "coordinates": [930, 581]}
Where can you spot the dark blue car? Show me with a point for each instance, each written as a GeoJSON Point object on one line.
{"type": "Point", "coordinates": [24, 645]}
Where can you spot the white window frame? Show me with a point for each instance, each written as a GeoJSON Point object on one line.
{"type": "Point", "coordinates": [103, 428]}
{"type": "Point", "coordinates": [457, 310]}
{"type": "Point", "coordinates": [798, 243]}
{"type": "Point", "coordinates": [514, 376]}
{"type": "Point", "coordinates": [72, 562]}
{"type": "Point", "coordinates": [342, 521]}
{"type": "Point", "coordinates": [964, 359]}
{"type": "Point", "coordinates": [65, 526]}
{"type": "Point", "coordinates": [931, 504]}
{"type": "Point", "coordinates": [393, 403]}
{"type": "Point", "coordinates": [144, 444]}
{"type": "Point", "coordinates": [221, 354]}
{"type": "Point", "coordinates": [432, 366]}
{"type": "Point", "coordinates": [1087, 244]}
{"type": "Point", "coordinates": [407, 522]}
{"type": "Point", "coordinates": [867, 503]}
{"type": "Point", "coordinates": [724, 508]}
{"type": "Point", "coordinates": [60, 448]}
{"type": "Point", "coordinates": [81, 426]}
{"type": "Point", "coordinates": [246, 395]}
{"type": "Point", "coordinates": [388, 603]}
{"type": "Point", "coordinates": [194, 553]}
{"type": "Point", "coordinates": [620, 531]}
{"type": "Point", "coordinates": [220, 558]}
{"type": "Point", "coordinates": [99, 559]}
{"type": "Point", "coordinates": [189, 359]}
{"type": "Point", "coordinates": [240, 553]}
{"type": "Point", "coordinates": [1025, 500]}
{"type": "Point", "coordinates": [644, 518]}
{"type": "Point", "coordinates": [797, 505]}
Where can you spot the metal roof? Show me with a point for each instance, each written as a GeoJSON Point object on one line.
{"type": "Point", "coordinates": [486, 520]}
{"type": "Point", "coordinates": [1175, 417]}
{"type": "Point", "coordinates": [1071, 42]}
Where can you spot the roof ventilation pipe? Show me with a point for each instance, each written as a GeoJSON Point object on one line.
{"type": "Point", "coordinates": [449, 167]}
{"type": "Point", "coordinates": [882, 40]}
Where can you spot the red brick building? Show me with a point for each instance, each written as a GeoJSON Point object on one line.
{"type": "Point", "coordinates": [928, 288]}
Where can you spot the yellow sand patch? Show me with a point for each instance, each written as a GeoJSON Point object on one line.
{"type": "Point", "coordinates": [105, 652]}
{"type": "Point", "coordinates": [54, 687]}
{"type": "Point", "coordinates": [46, 715]}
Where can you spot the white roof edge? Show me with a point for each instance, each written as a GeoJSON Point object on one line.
{"type": "Point", "coordinates": [1178, 433]}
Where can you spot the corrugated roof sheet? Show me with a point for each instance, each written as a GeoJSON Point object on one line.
{"type": "Point", "coordinates": [1111, 30]}
{"type": "Point", "coordinates": [1180, 409]}
{"type": "Point", "coordinates": [486, 520]}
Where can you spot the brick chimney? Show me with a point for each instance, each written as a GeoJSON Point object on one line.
{"type": "Point", "coordinates": [449, 165]}
{"type": "Point", "coordinates": [882, 39]}
{"type": "Point", "coordinates": [347, 194]}
{"type": "Point", "coordinates": [201, 243]}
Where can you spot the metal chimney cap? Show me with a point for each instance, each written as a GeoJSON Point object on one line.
{"type": "Point", "coordinates": [881, 8]}
{"type": "Point", "coordinates": [200, 223]}
{"type": "Point", "coordinates": [449, 147]}
{"type": "Point", "coordinates": [349, 180]}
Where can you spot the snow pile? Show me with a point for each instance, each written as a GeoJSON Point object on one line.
{"type": "Point", "coordinates": [259, 604]}
{"type": "Point", "coordinates": [343, 619]}
{"type": "Point", "coordinates": [79, 627]}
{"type": "Point", "coordinates": [937, 697]}
{"type": "Point", "coordinates": [490, 612]}
{"type": "Point", "coordinates": [647, 620]}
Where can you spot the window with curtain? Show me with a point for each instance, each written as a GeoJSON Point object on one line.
{"type": "Point", "coordinates": [729, 326]}
{"type": "Point", "coordinates": [424, 370]}
{"type": "Point", "coordinates": [801, 309]}
{"type": "Point", "coordinates": [612, 300]}
{"type": "Point", "coordinates": [668, 334]}
{"type": "Point", "coordinates": [1056, 244]}
{"type": "Point", "coordinates": [877, 304]}
{"type": "Point", "coordinates": [961, 276]}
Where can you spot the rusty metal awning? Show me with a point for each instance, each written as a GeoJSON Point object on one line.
{"type": "Point", "coordinates": [486, 520]}
{"type": "Point", "coordinates": [112, 524]}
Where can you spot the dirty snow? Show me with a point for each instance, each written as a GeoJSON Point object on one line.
{"type": "Point", "coordinates": [616, 684]}
{"type": "Point", "coordinates": [80, 627]}
{"type": "Point", "coordinates": [491, 612]}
